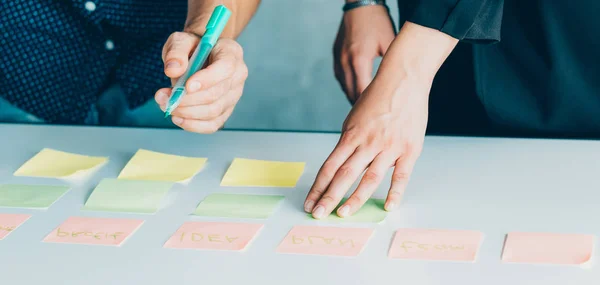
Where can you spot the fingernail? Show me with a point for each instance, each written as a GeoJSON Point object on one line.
{"type": "Point", "coordinates": [308, 206]}
{"type": "Point", "coordinates": [173, 64]}
{"type": "Point", "coordinates": [161, 98]}
{"type": "Point", "coordinates": [390, 206]}
{"type": "Point", "coordinates": [318, 212]}
{"type": "Point", "coordinates": [177, 120]}
{"type": "Point", "coordinates": [194, 86]}
{"type": "Point", "coordinates": [343, 211]}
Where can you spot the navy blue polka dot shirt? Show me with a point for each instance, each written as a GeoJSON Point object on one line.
{"type": "Point", "coordinates": [56, 57]}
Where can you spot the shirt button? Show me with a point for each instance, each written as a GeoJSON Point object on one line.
{"type": "Point", "coordinates": [90, 6]}
{"type": "Point", "coordinates": [109, 45]}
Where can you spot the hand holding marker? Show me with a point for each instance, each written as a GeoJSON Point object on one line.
{"type": "Point", "coordinates": [214, 28]}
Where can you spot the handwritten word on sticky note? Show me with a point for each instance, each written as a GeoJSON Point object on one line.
{"type": "Point", "coordinates": [450, 245]}
{"type": "Point", "coordinates": [548, 248]}
{"type": "Point", "coordinates": [58, 164]}
{"type": "Point", "coordinates": [130, 196]}
{"type": "Point", "coordinates": [250, 172]}
{"type": "Point", "coordinates": [156, 166]}
{"type": "Point", "coordinates": [238, 206]}
{"type": "Point", "coordinates": [30, 196]}
{"type": "Point", "coordinates": [213, 236]}
{"type": "Point", "coordinates": [325, 241]}
{"type": "Point", "coordinates": [10, 222]}
{"type": "Point", "coordinates": [94, 231]}
{"type": "Point", "coordinates": [371, 212]}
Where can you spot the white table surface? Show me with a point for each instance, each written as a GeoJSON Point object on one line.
{"type": "Point", "coordinates": [491, 185]}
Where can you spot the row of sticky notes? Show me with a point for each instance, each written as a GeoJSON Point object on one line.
{"type": "Point", "coordinates": [154, 166]}
{"type": "Point", "coordinates": [131, 196]}
{"type": "Point", "coordinates": [420, 244]}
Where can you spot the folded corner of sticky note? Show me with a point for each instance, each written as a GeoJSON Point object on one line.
{"type": "Point", "coordinates": [131, 196]}
{"type": "Point", "coordinates": [548, 248]}
{"type": "Point", "coordinates": [58, 164]}
{"type": "Point", "coordinates": [156, 166]}
{"type": "Point", "coordinates": [262, 173]}
{"type": "Point", "coordinates": [238, 206]}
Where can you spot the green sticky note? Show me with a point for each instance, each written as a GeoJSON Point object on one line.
{"type": "Point", "coordinates": [238, 206]}
{"type": "Point", "coordinates": [130, 196]}
{"type": "Point", "coordinates": [371, 212]}
{"type": "Point", "coordinates": [30, 196]}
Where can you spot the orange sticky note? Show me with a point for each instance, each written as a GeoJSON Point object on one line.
{"type": "Point", "coordinates": [10, 222]}
{"type": "Point", "coordinates": [96, 231]}
{"type": "Point", "coordinates": [325, 240]}
{"type": "Point", "coordinates": [450, 245]}
{"type": "Point", "coordinates": [548, 248]}
{"type": "Point", "coordinates": [213, 236]}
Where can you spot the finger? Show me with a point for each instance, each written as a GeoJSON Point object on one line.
{"type": "Point", "coordinates": [368, 184]}
{"type": "Point", "coordinates": [400, 177]}
{"type": "Point", "coordinates": [348, 80]}
{"type": "Point", "coordinates": [177, 51]}
{"type": "Point", "coordinates": [200, 126]}
{"type": "Point", "coordinates": [344, 149]}
{"type": "Point", "coordinates": [342, 181]}
{"type": "Point", "coordinates": [223, 61]}
{"type": "Point", "coordinates": [362, 69]}
{"type": "Point", "coordinates": [211, 95]}
{"type": "Point", "coordinates": [162, 96]}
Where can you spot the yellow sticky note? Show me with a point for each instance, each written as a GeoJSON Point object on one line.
{"type": "Point", "coordinates": [58, 164]}
{"type": "Point", "coordinates": [156, 166]}
{"type": "Point", "coordinates": [250, 172]}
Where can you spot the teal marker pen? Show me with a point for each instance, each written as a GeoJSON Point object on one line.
{"type": "Point", "coordinates": [214, 28]}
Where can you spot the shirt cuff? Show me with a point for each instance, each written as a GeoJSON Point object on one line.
{"type": "Point", "coordinates": [475, 21]}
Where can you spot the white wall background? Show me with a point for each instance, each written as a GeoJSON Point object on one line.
{"type": "Point", "coordinates": [291, 85]}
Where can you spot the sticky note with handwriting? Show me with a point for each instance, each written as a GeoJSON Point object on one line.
{"type": "Point", "coordinates": [113, 195]}
{"type": "Point", "coordinates": [30, 196]}
{"type": "Point", "coordinates": [371, 212]}
{"type": "Point", "coordinates": [156, 166]}
{"type": "Point", "coordinates": [58, 164]}
{"type": "Point", "coordinates": [213, 236]}
{"type": "Point", "coordinates": [425, 244]}
{"type": "Point", "coordinates": [10, 222]}
{"type": "Point", "coordinates": [548, 248]}
{"type": "Point", "coordinates": [325, 241]}
{"type": "Point", "coordinates": [94, 231]}
{"type": "Point", "coordinates": [262, 173]}
{"type": "Point", "coordinates": [238, 206]}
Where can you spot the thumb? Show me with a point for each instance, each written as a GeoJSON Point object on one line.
{"type": "Point", "coordinates": [177, 51]}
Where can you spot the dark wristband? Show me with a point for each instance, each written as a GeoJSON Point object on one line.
{"type": "Point", "coordinates": [362, 3]}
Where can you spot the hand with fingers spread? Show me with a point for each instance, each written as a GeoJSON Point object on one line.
{"type": "Point", "coordinates": [382, 131]}
{"type": "Point", "coordinates": [364, 34]}
{"type": "Point", "coordinates": [212, 92]}
{"type": "Point", "coordinates": [386, 127]}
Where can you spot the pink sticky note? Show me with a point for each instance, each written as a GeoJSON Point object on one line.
{"type": "Point", "coordinates": [98, 231]}
{"type": "Point", "coordinates": [548, 248]}
{"type": "Point", "coordinates": [451, 245]}
{"type": "Point", "coordinates": [215, 236]}
{"type": "Point", "coordinates": [325, 240]}
{"type": "Point", "coordinates": [10, 222]}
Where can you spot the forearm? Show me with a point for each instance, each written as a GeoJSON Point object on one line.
{"type": "Point", "coordinates": [199, 12]}
{"type": "Point", "coordinates": [417, 53]}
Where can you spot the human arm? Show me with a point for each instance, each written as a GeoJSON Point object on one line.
{"type": "Point", "coordinates": [386, 127]}
{"type": "Point", "coordinates": [214, 90]}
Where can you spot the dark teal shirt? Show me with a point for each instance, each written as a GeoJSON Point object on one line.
{"type": "Point", "coordinates": [541, 75]}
